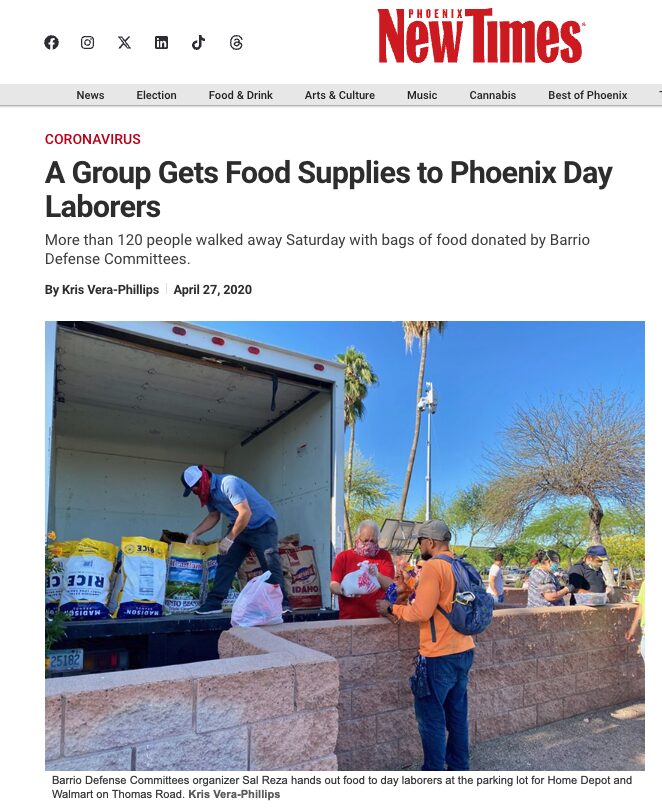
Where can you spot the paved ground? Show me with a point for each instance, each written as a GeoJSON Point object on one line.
{"type": "Point", "coordinates": [604, 740]}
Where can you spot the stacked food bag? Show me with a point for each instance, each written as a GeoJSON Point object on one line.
{"type": "Point", "coordinates": [143, 578]}
{"type": "Point", "coordinates": [186, 574]}
{"type": "Point", "coordinates": [94, 579]}
{"type": "Point", "coordinates": [87, 578]}
{"type": "Point", "coordinates": [302, 581]}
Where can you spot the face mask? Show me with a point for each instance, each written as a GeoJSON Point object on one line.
{"type": "Point", "coordinates": [596, 566]}
{"type": "Point", "coordinates": [366, 548]}
{"type": "Point", "coordinates": [554, 567]}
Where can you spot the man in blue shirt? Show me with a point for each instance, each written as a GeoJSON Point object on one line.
{"type": "Point", "coordinates": [251, 526]}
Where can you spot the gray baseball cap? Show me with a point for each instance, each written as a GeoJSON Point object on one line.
{"type": "Point", "coordinates": [433, 530]}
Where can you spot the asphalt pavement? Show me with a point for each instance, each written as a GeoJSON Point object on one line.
{"type": "Point", "coordinates": [603, 740]}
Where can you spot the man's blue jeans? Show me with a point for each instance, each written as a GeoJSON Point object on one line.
{"type": "Point", "coordinates": [264, 542]}
{"type": "Point", "coordinates": [445, 710]}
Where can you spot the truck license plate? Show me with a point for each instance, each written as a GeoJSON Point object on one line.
{"type": "Point", "coordinates": [66, 660]}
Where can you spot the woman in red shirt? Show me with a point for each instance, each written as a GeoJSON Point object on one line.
{"type": "Point", "coordinates": [365, 548]}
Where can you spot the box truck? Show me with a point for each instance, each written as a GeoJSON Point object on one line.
{"type": "Point", "coordinates": [131, 404]}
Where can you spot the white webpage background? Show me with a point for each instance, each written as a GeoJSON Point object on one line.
{"type": "Point", "coordinates": [615, 278]}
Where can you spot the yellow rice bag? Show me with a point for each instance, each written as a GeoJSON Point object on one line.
{"type": "Point", "coordinates": [88, 574]}
{"type": "Point", "coordinates": [144, 566]}
{"type": "Point", "coordinates": [60, 551]}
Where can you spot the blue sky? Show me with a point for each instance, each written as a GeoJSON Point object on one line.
{"type": "Point", "coordinates": [481, 371]}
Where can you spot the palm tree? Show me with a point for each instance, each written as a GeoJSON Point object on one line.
{"type": "Point", "coordinates": [417, 330]}
{"type": "Point", "coordinates": [358, 376]}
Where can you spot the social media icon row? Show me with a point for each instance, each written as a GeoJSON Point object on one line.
{"type": "Point", "coordinates": [161, 42]}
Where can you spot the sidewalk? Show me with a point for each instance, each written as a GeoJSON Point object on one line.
{"type": "Point", "coordinates": [604, 740]}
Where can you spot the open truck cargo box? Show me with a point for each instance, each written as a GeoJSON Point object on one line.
{"type": "Point", "coordinates": [109, 645]}
{"type": "Point", "coordinates": [135, 403]}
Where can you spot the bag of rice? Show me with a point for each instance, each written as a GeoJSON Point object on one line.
{"type": "Point", "coordinates": [88, 579]}
{"type": "Point", "coordinates": [60, 552]}
{"type": "Point", "coordinates": [233, 595]}
{"type": "Point", "coordinates": [186, 563]}
{"type": "Point", "coordinates": [144, 565]}
{"type": "Point", "coordinates": [210, 567]}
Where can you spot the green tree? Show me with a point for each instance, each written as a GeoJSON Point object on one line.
{"type": "Point", "coordinates": [359, 376]}
{"type": "Point", "coordinates": [371, 492]}
{"type": "Point", "coordinates": [518, 551]}
{"type": "Point", "coordinates": [466, 512]}
{"type": "Point", "coordinates": [590, 448]}
{"type": "Point", "coordinates": [563, 527]}
{"type": "Point", "coordinates": [626, 551]}
{"type": "Point", "coordinates": [623, 520]}
{"type": "Point", "coordinates": [421, 331]}
{"type": "Point", "coordinates": [480, 558]}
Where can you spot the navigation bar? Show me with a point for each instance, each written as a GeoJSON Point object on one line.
{"type": "Point", "coordinates": [302, 95]}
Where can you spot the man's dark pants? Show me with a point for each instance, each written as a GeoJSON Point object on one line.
{"type": "Point", "coordinates": [445, 709]}
{"type": "Point", "coordinates": [264, 542]}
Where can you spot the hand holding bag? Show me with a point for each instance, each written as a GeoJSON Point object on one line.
{"type": "Point", "coordinates": [360, 582]}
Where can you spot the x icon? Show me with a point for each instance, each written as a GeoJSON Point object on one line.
{"type": "Point", "coordinates": [124, 42]}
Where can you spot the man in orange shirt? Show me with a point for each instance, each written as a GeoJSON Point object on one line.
{"type": "Point", "coordinates": [445, 657]}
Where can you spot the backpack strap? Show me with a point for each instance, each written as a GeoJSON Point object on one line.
{"type": "Point", "coordinates": [449, 560]}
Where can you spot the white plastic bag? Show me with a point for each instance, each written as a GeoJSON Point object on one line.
{"type": "Point", "coordinates": [360, 582]}
{"type": "Point", "coordinates": [259, 603]}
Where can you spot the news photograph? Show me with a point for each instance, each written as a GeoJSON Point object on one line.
{"type": "Point", "coordinates": [299, 550]}
{"type": "Point", "coordinates": [351, 546]}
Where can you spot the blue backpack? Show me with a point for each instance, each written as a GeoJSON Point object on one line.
{"type": "Point", "coordinates": [472, 607]}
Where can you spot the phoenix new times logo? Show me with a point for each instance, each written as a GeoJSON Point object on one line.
{"type": "Point", "coordinates": [436, 34]}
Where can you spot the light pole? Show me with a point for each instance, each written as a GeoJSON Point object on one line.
{"type": "Point", "coordinates": [429, 401]}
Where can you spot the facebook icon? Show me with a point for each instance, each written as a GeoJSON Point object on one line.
{"type": "Point", "coordinates": [51, 42]}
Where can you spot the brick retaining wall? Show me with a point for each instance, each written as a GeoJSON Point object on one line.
{"type": "Point", "coordinates": [272, 708]}
{"type": "Point", "coordinates": [321, 695]}
{"type": "Point", "coordinates": [532, 666]}
{"type": "Point", "coordinates": [515, 596]}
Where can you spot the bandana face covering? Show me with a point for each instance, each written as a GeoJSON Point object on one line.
{"type": "Point", "coordinates": [204, 487]}
{"type": "Point", "coordinates": [366, 548]}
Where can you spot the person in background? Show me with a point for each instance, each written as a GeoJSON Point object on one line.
{"type": "Point", "coordinates": [495, 580]}
{"type": "Point", "coordinates": [586, 576]}
{"type": "Point", "coordinates": [445, 656]}
{"type": "Point", "coordinates": [544, 588]}
{"type": "Point", "coordinates": [366, 547]}
{"type": "Point", "coordinates": [639, 620]}
{"type": "Point", "coordinates": [251, 525]}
